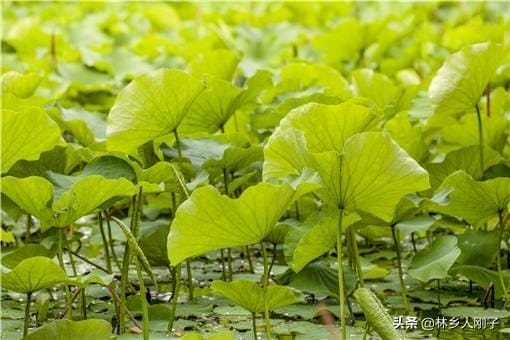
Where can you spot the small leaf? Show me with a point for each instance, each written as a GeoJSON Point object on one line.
{"type": "Point", "coordinates": [91, 329]}
{"type": "Point", "coordinates": [434, 262]}
{"type": "Point", "coordinates": [277, 296]}
{"type": "Point", "coordinates": [33, 274]}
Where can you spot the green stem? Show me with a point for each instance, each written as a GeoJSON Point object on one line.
{"type": "Point", "coordinates": [105, 242]}
{"type": "Point", "coordinates": [190, 280]}
{"type": "Point", "coordinates": [27, 314]}
{"type": "Point", "coordinates": [341, 292]}
{"type": "Point", "coordinates": [498, 257]}
{"type": "Point", "coordinates": [229, 264]}
{"type": "Point", "coordinates": [143, 299]}
{"type": "Point", "coordinates": [178, 144]}
{"type": "Point", "coordinates": [250, 262]}
{"type": "Point", "coordinates": [110, 240]}
{"type": "Point", "coordinates": [357, 260]}
{"type": "Point", "coordinates": [265, 284]}
{"type": "Point", "coordinates": [223, 270]}
{"type": "Point", "coordinates": [28, 232]}
{"type": "Point", "coordinates": [69, 302]}
{"type": "Point", "coordinates": [273, 259]}
{"type": "Point", "coordinates": [298, 215]}
{"type": "Point", "coordinates": [175, 298]}
{"type": "Point", "coordinates": [480, 136]}
{"type": "Point", "coordinates": [254, 325]}
{"type": "Point", "coordinates": [394, 234]}
{"type": "Point", "coordinates": [71, 259]}
{"type": "Point", "coordinates": [83, 304]}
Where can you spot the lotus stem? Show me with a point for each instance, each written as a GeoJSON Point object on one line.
{"type": "Point", "coordinates": [110, 240]}
{"type": "Point", "coordinates": [223, 270]}
{"type": "Point", "coordinates": [143, 300]}
{"type": "Point", "coordinates": [178, 144]}
{"type": "Point", "coordinates": [254, 325]}
{"type": "Point", "coordinates": [357, 259]}
{"type": "Point", "coordinates": [265, 284]}
{"type": "Point", "coordinates": [175, 298]}
{"type": "Point", "coordinates": [396, 242]}
{"type": "Point", "coordinates": [69, 302]}
{"type": "Point", "coordinates": [229, 264]}
{"type": "Point", "coordinates": [28, 233]}
{"type": "Point", "coordinates": [250, 263]}
{"type": "Point", "coordinates": [105, 242]}
{"type": "Point", "coordinates": [498, 257]}
{"type": "Point", "coordinates": [190, 280]}
{"type": "Point", "coordinates": [83, 303]}
{"type": "Point", "coordinates": [480, 136]}
{"type": "Point", "coordinates": [273, 259]}
{"type": "Point", "coordinates": [341, 288]}
{"type": "Point", "coordinates": [27, 314]}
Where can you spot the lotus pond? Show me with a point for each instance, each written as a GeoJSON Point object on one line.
{"type": "Point", "coordinates": [241, 170]}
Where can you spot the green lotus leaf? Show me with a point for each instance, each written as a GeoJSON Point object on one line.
{"type": "Point", "coordinates": [434, 262]}
{"type": "Point", "coordinates": [12, 258]}
{"type": "Point", "coordinates": [327, 127]}
{"type": "Point", "coordinates": [484, 277]}
{"type": "Point", "coordinates": [376, 87]}
{"type": "Point", "coordinates": [479, 247]}
{"type": "Point", "coordinates": [334, 44]}
{"type": "Point", "coordinates": [219, 63]}
{"type": "Point", "coordinates": [409, 137]}
{"type": "Point", "coordinates": [221, 222]}
{"type": "Point", "coordinates": [466, 159]}
{"type": "Point", "coordinates": [475, 202]}
{"type": "Point", "coordinates": [62, 206]}
{"type": "Point", "coordinates": [60, 159]}
{"type": "Point", "coordinates": [376, 169]}
{"type": "Point", "coordinates": [19, 84]}
{"type": "Point", "coordinates": [95, 277]}
{"type": "Point", "coordinates": [214, 107]}
{"type": "Point", "coordinates": [460, 82]}
{"type": "Point", "coordinates": [26, 134]}
{"type": "Point", "coordinates": [314, 237]}
{"type": "Point", "coordinates": [33, 274]}
{"type": "Point", "coordinates": [277, 296]}
{"type": "Point", "coordinates": [153, 105]}
{"type": "Point", "coordinates": [90, 329]}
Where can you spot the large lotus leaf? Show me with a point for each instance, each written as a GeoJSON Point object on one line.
{"type": "Point", "coordinates": [91, 329]}
{"type": "Point", "coordinates": [285, 153]}
{"type": "Point", "coordinates": [214, 107]}
{"type": "Point", "coordinates": [209, 220]}
{"type": "Point", "coordinates": [33, 274]}
{"type": "Point", "coordinates": [475, 202]}
{"type": "Point", "coordinates": [32, 194]}
{"type": "Point", "coordinates": [26, 134]}
{"type": "Point", "coordinates": [466, 159]}
{"type": "Point", "coordinates": [151, 106]}
{"type": "Point", "coordinates": [376, 169]}
{"type": "Point", "coordinates": [484, 277]}
{"type": "Point", "coordinates": [316, 236]}
{"type": "Point", "coordinates": [59, 159]}
{"type": "Point", "coordinates": [235, 158]}
{"type": "Point", "coordinates": [479, 247]}
{"type": "Point", "coordinates": [336, 46]}
{"type": "Point", "coordinates": [59, 208]}
{"type": "Point", "coordinates": [461, 80]}
{"type": "Point", "coordinates": [327, 127]}
{"type": "Point", "coordinates": [219, 63]}
{"type": "Point", "coordinates": [236, 291]}
{"type": "Point", "coordinates": [434, 262]}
